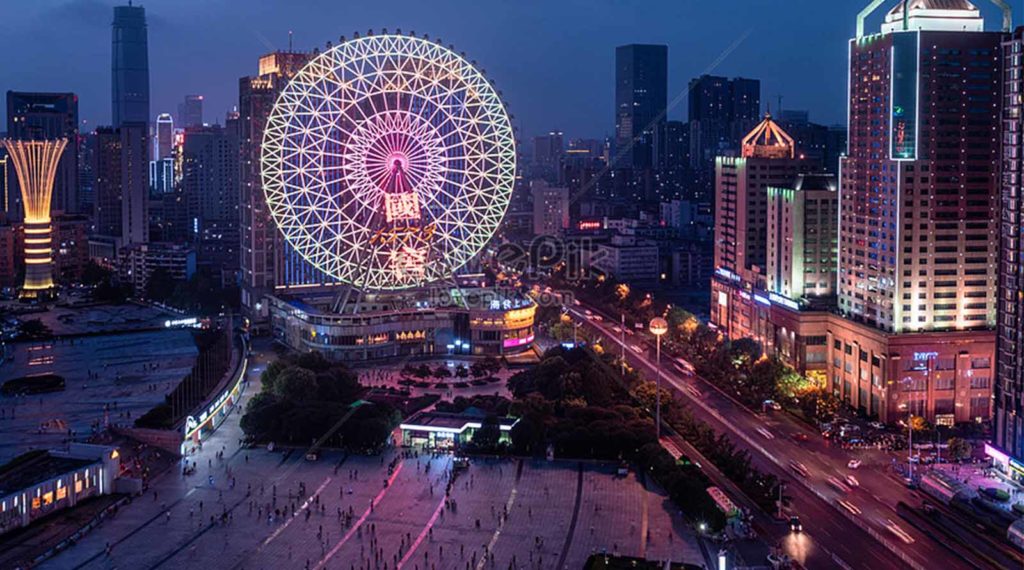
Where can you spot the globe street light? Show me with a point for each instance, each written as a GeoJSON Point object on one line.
{"type": "Point", "coordinates": [658, 327]}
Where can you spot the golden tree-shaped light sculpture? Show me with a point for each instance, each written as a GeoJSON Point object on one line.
{"type": "Point", "coordinates": [35, 163]}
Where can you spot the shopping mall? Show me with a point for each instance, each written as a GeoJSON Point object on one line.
{"type": "Point", "coordinates": [418, 322]}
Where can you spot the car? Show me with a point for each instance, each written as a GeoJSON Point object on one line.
{"type": "Point", "coordinates": [801, 437]}
{"type": "Point", "coordinates": [795, 525]}
{"type": "Point", "coordinates": [854, 463]}
{"type": "Point", "coordinates": [800, 468]}
{"type": "Point", "coordinates": [773, 405]}
{"type": "Point", "coordinates": [877, 425]}
{"type": "Point", "coordinates": [851, 481]}
{"type": "Point", "coordinates": [636, 348]}
{"type": "Point", "coordinates": [850, 507]}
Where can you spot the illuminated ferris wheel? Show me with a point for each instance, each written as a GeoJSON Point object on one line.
{"type": "Point", "coordinates": [388, 162]}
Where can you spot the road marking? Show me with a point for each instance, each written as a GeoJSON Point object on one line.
{"type": "Point", "coordinates": [423, 533]}
{"type": "Point", "coordinates": [359, 522]}
{"type": "Point", "coordinates": [305, 505]}
{"type": "Point", "coordinates": [497, 531]}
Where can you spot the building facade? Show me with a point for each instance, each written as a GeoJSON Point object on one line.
{"type": "Point", "coordinates": [261, 245]}
{"type": "Point", "coordinates": [801, 242]}
{"type": "Point", "coordinates": [190, 111]}
{"type": "Point", "coordinates": [739, 297]}
{"type": "Point", "coordinates": [209, 184]}
{"type": "Point", "coordinates": [721, 111]}
{"type": "Point", "coordinates": [130, 66]}
{"type": "Point", "coordinates": [376, 326]}
{"type": "Point", "coordinates": [122, 184]}
{"type": "Point", "coordinates": [641, 97]}
{"type": "Point", "coordinates": [550, 208]}
{"type": "Point", "coordinates": [1008, 397]}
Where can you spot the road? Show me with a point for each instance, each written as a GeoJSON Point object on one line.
{"type": "Point", "coordinates": [772, 442]}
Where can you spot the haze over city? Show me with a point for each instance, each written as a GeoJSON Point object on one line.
{"type": "Point", "coordinates": [528, 285]}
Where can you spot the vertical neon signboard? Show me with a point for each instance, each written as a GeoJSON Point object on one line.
{"type": "Point", "coordinates": [903, 91]}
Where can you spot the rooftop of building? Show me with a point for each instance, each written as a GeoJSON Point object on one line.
{"type": "Point", "coordinates": [35, 467]}
{"type": "Point", "coordinates": [767, 140]}
{"type": "Point", "coordinates": [454, 422]}
{"type": "Point", "coordinates": [946, 5]}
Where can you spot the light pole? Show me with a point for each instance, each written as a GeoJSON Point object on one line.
{"type": "Point", "coordinates": [658, 327]}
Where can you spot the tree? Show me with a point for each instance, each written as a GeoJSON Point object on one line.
{"type": "Point", "coordinates": [295, 384]}
{"type": "Point", "coordinates": [959, 449]}
{"type": "Point", "coordinates": [160, 285]}
{"type": "Point", "coordinates": [918, 423]}
{"type": "Point", "coordinates": [744, 351]}
{"type": "Point", "coordinates": [461, 371]}
{"type": "Point", "coordinates": [442, 372]}
{"type": "Point", "coordinates": [34, 329]}
{"type": "Point", "coordinates": [489, 434]}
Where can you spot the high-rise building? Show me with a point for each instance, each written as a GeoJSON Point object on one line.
{"type": "Point", "coordinates": [190, 111]}
{"type": "Point", "coordinates": [161, 168]}
{"type": "Point", "coordinates": [164, 136]}
{"type": "Point", "coordinates": [919, 191]}
{"type": "Point", "coordinates": [742, 223]}
{"type": "Point", "coordinates": [209, 181]}
{"type": "Point", "coordinates": [550, 208]}
{"type": "Point", "coordinates": [130, 66]}
{"type": "Point", "coordinates": [1008, 397]}
{"type": "Point", "coordinates": [672, 143]}
{"type": "Point", "coordinates": [918, 217]}
{"type": "Point", "coordinates": [86, 176]}
{"type": "Point", "coordinates": [802, 226]}
{"type": "Point", "coordinates": [721, 111]}
{"type": "Point", "coordinates": [548, 151]}
{"type": "Point", "coordinates": [122, 184]}
{"type": "Point", "coordinates": [262, 247]}
{"type": "Point", "coordinates": [641, 98]}
{"type": "Point", "coordinates": [47, 116]}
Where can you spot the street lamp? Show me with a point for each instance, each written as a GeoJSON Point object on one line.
{"type": "Point", "coordinates": [658, 327]}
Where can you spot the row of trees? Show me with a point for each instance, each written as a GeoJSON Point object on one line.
{"type": "Point", "coordinates": [741, 368]}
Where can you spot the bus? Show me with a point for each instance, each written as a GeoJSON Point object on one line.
{"type": "Point", "coordinates": [945, 488]}
{"type": "Point", "coordinates": [723, 502]}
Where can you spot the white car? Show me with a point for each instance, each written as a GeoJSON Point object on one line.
{"type": "Point", "coordinates": [853, 464]}
{"type": "Point", "coordinates": [636, 348]}
{"type": "Point", "coordinates": [852, 481]}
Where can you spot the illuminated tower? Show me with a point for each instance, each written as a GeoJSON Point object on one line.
{"type": "Point", "coordinates": [36, 165]}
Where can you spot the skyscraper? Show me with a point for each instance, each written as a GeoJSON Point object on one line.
{"type": "Point", "coordinates": [741, 226]}
{"type": "Point", "coordinates": [121, 186]}
{"type": "Point", "coordinates": [164, 135]}
{"type": "Point", "coordinates": [721, 111]}
{"type": "Point", "coordinates": [262, 247]}
{"type": "Point", "coordinates": [919, 189]}
{"type": "Point", "coordinates": [641, 98]}
{"type": "Point", "coordinates": [209, 181]}
{"type": "Point", "coordinates": [190, 111]}
{"type": "Point", "coordinates": [548, 151]}
{"type": "Point", "coordinates": [1008, 397]}
{"type": "Point", "coordinates": [918, 217]}
{"type": "Point", "coordinates": [130, 66]}
{"type": "Point", "coordinates": [47, 116]}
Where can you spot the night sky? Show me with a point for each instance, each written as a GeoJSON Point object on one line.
{"type": "Point", "coordinates": [552, 59]}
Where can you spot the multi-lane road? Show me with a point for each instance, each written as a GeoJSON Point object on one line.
{"type": "Point", "coordinates": [855, 527]}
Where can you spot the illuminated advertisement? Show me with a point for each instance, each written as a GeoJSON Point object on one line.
{"type": "Point", "coordinates": [904, 91]}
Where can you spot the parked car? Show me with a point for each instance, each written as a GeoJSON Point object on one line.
{"type": "Point", "coordinates": [854, 463]}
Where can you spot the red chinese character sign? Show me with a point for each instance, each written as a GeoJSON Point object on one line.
{"type": "Point", "coordinates": [388, 162]}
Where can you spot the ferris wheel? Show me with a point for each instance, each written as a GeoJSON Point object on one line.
{"type": "Point", "coordinates": [388, 162]}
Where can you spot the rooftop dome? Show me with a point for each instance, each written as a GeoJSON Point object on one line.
{"type": "Point", "coordinates": [767, 140]}
{"type": "Point", "coordinates": [942, 15]}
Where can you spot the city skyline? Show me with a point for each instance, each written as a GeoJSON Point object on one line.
{"type": "Point", "coordinates": [564, 87]}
